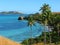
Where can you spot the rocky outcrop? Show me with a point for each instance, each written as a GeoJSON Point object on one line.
{"type": "Point", "coordinates": [22, 18]}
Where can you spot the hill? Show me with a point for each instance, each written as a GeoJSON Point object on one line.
{"type": "Point", "coordinates": [10, 12]}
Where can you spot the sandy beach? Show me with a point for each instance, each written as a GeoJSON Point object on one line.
{"type": "Point", "coordinates": [5, 41]}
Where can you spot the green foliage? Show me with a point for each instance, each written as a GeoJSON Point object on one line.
{"type": "Point", "coordinates": [48, 19]}
{"type": "Point", "coordinates": [31, 21]}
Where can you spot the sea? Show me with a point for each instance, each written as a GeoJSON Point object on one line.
{"type": "Point", "coordinates": [18, 30]}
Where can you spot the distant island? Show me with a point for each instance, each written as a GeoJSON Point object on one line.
{"type": "Point", "coordinates": [10, 12]}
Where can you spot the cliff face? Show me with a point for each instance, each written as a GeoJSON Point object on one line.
{"type": "Point", "coordinates": [5, 41]}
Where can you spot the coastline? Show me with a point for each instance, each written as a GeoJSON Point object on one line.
{"type": "Point", "coordinates": [6, 41]}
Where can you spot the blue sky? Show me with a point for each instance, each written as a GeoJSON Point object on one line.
{"type": "Point", "coordinates": [28, 6]}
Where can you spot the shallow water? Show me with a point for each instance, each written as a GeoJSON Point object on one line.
{"type": "Point", "coordinates": [16, 30]}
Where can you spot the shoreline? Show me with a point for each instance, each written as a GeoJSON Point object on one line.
{"type": "Point", "coordinates": [6, 41]}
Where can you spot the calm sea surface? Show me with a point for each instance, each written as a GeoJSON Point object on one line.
{"type": "Point", "coordinates": [16, 30]}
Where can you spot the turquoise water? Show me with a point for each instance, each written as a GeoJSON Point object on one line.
{"type": "Point", "coordinates": [16, 30]}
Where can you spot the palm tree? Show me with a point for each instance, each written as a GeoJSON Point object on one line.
{"type": "Point", "coordinates": [31, 22]}
{"type": "Point", "coordinates": [50, 27]}
{"type": "Point", "coordinates": [46, 12]}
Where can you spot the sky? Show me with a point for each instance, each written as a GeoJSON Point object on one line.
{"type": "Point", "coordinates": [28, 6]}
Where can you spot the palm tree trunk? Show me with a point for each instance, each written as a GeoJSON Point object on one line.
{"type": "Point", "coordinates": [50, 38]}
{"type": "Point", "coordinates": [27, 42]}
{"type": "Point", "coordinates": [31, 35]}
{"type": "Point", "coordinates": [45, 35]}
{"type": "Point", "coordinates": [45, 38]}
{"type": "Point", "coordinates": [45, 24]}
{"type": "Point", "coordinates": [49, 35]}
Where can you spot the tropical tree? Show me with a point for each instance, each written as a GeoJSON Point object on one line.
{"type": "Point", "coordinates": [31, 22]}
{"type": "Point", "coordinates": [46, 12]}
